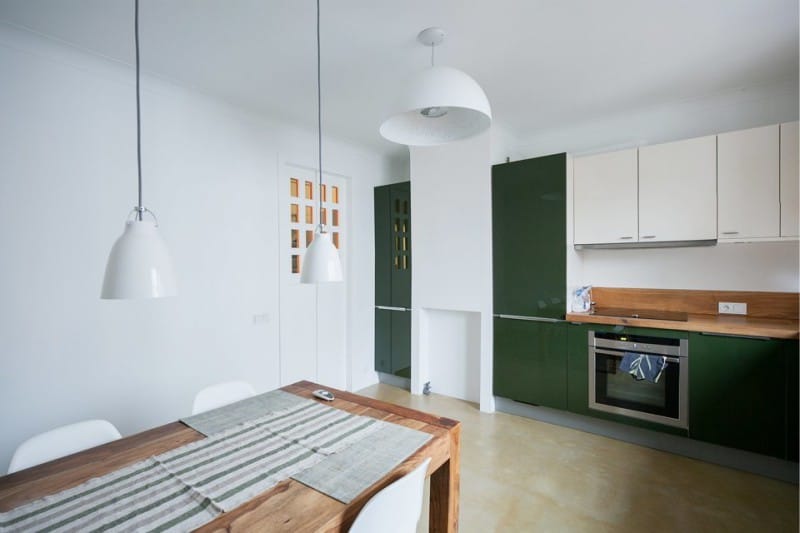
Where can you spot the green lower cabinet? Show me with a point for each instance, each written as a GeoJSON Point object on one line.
{"type": "Point", "coordinates": [530, 363]}
{"type": "Point", "coordinates": [401, 343]}
{"type": "Point", "coordinates": [578, 369]}
{"type": "Point", "coordinates": [792, 399]}
{"type": "Point", "coordinates": [383, 341]}
{"type": "Point", "coordinates": [393, 342]}
{"type": "Point", "coordinates": [743, 392]}
{"type": "Point", "coordinates": [737, 392]}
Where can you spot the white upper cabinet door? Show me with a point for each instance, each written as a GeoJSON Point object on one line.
{"type": "Point", "coordinates": [748, 183]}
{"type": "Point", "coordinates": [605, 189]}
{"type": "Point", "coordinates": [790, 180]}
{"type": "Point", "coordinates": [678, 191]}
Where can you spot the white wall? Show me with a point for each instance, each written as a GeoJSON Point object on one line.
{"type": "Point", "coordinates": [742, 108]}
{"type": "Point", "coordinates": [737, 267]}
{"type": "Point", "coordinates": [745, 266]}
{"type": "Point", "coordinates": [452, 263]}
{"type": "Point", "coordinates": [67, 180]}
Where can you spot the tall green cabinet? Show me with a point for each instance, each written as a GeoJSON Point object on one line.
{"type": "Point", "coordinates": [529, 236]}
{"type": "Point", "coordinates": [393, 279]}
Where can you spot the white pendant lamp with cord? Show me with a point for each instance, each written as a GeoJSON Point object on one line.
{"type": "Point", "coordinates": [139, 265]}
{"type": "Point", "coordinates": [321, 263]}
{"type": "Point", "coordinates": [439, 104]}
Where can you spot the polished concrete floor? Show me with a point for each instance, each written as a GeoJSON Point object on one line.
{"type": "Point", "coordinates": [519, 474]}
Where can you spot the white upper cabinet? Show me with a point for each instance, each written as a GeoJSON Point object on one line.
{"type": "Point", "coordinates": [749, 183]}
{"type": "Point", "coordinates": [790, 180]}
{"type": "Point", "coordinates": [678, 191]}
{"type": "Point", "coordinates": [605, 194]}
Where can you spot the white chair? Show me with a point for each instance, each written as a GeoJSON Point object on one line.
{"type": "Point", "coordinates": [62, 441]}
{"type": "Point", "coordinates": [221, 394]}
{"type": "Point", "coordinates": [396, 508]}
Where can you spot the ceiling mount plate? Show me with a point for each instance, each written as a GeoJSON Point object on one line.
{"type": "Point", "coordinates": [432, 36]}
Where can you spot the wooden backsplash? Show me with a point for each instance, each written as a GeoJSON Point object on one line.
{"type": "Point", "coordinates": [759, 304]}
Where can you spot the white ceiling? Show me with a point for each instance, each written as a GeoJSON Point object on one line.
{"type": "Point", "coordinates": [542, 63]}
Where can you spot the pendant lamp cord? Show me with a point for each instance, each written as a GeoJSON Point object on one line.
{"type": "Point", "coordinates": [433, 47]}
{"type": "Point", "coordinates": [139, 209]}
{"type": "Point", "coordinates": [319, 123]}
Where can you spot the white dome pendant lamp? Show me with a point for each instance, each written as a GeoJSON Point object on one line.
{"type": "Point", "coordinates": [139, 265]}
{"type": "Point", "coordinates": [321, 263]}
{"type": "Point", "coordinates": [439, 104]}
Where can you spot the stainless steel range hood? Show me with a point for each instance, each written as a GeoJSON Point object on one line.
{"type": "Point", "coordinates": [646, 244]}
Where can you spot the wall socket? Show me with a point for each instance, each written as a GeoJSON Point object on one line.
{"type": "Point", "coordinates": [260, 319]}
{"type": "Point", "coordinates": [732, 308]}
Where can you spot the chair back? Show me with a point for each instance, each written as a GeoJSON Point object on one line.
{"type": "Point", "coordinates": [221, 394]}
{"type": "Point", "coordinates": [62, 441]}
{"type": "Point", "coordinates": [396, 508]}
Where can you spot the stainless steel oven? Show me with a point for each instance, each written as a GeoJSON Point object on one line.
{"type": "Point", "coordinates": [616, 391]}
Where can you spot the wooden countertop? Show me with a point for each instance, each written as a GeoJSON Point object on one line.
{"type": "Point", "coordinates": [726, 324]}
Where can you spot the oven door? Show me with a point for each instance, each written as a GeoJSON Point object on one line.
{"type": "Point", "coordinates": [615, 391]}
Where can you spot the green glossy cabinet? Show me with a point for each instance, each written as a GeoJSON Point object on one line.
{"type": "Point", "coordinates": [530, 362]}
{"type": "Point", "coordinates": [739, 393]}
{"type": "Point", "coordinates": [383, 340]}
{"type": "Point", "coordinates": [792, 399]}
{"type": "Point", "coordinates": [529, 269]}
{"type": "Point", "coordinates": [529, 237]}
{"type": "Point", "coordinates": [578, 368]}
{"type": "Point", "coordinates": [383, 245]}
{"type": "Point", "coordinates": [392, 210]}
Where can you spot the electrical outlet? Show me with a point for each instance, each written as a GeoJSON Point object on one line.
{"type": "Point", "coordinates": [260, 319]}
{"type": "Point", "coordinates": [732, 308]}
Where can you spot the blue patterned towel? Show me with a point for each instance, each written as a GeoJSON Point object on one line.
{"type": "Point", "coordinates": [643, 367]}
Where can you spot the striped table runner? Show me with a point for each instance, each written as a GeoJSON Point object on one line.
{"type": "Point", "coordinates": [189, 486]}
{"type": "Point", "coordinates": [233, 466]}
{"type": "Point", "coordinates": [346, 474]}
{"type": "Point", "coordinates": [227, 416]}
{"type": "Point", "coordinates": [141, 497]}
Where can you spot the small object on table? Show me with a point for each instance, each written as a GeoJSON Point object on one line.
{"type": "Point", "coordinates": [322, 394]}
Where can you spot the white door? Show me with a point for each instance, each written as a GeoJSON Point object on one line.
{"type": "Point", "coordinates": [605, 197]}
{"type": "Point", "coordinates": [790, 180]}
{"type": "Point", "coordinates": [749, 196]}
{"type": "Point", "coordinates": [678, 191]}
{"type": "Point", "coordinates": [312, 317]}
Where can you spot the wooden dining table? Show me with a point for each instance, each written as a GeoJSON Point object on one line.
{"type": "Point", "coordinates": [289, 505]}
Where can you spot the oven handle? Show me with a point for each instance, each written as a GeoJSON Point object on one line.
{"type": "Point", "coordinates": [619, 354]}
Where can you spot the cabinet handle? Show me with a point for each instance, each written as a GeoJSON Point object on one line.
{"type": "Point", "coordinates": [733, 335]}
{"type": "Point", "coordinates": [730, 233]}
{"type": "Point", "coordinates": [648, 236]}
{"type": "Point", "coordinates": [530, 318]}
{"type": "Point", "coordinates": [621, 354]}
{"type": "Point", "coordinates": [390, 308]}
{"type": "Point", "coordinates": [625, 238]}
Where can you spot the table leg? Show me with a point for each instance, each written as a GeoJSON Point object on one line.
{"type": "Point", "coordinates": [444, 489]}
